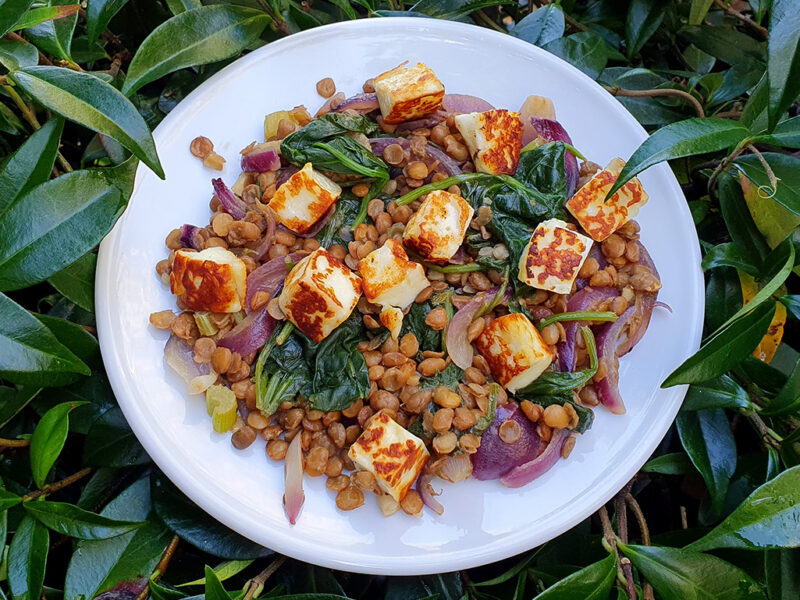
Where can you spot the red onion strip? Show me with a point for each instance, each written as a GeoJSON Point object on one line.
{"type": "Point", "coordinates": [427, 493]}
{"type": "Point", "coordinates": [526, 473]}
{"type": "Point", "coordinates": [261, 162]}
{"type": "Point", "coordinates": [463, 103]}
{"type": "Point", "coordinates": [190, 237]}
{"type": "Point", "coordinates": [458, 346]}
{"type": "Point", "coordinates": [263, 247]}
{"type": "Point", "coordinates": [362, 103]}
{"type": "Point", "coordinates": [232, 204]}
{"type": "Point", "coordinates": [294, 497]}
{"type": "Point", "coordinates": [583, 300]}
{"type": "Point", "coordinates": [269, 277]}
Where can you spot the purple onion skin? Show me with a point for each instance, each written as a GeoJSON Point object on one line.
{"type": "Point", "coordinates": [232, 204]}
{"type": "Point", "coordinates": [190, 237]}
{"type": "Point", "coordinates": [495, 457]}
{"type": "Point", "coordinates": [553, 131]}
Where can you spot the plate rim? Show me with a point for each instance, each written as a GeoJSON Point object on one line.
{"type": "Point", "coordinates": [285, 542]}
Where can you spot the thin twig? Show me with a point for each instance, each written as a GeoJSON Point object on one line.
{"type": "Point", "coordinates": [5, 443]}
{"type": "Point", "coordinates": [622, 521]}
{"type": "Point", "coordinates": [768, 436]}
{"type": "Point", "coordinates": [486, 20]}
{"type": "Point", "coordinates": [18, 38]}
{"type": "Point", "coordinates": [724, 165]}
{"type": "Point", "coordinates": [647, 591]}
{"type": "Point", "coordinates": [698, 108]}
{"type": "Point", "coordinates": [161, 567]}
{"type": "Point", "coordinates": [574, 23]}
{"type": "Point", "coordinates": [773, 179]}
{"type": "Point", "coordinates": [684, 518]}
{"type": "Point", "coordinates": [257, 582]}
{"type": "Point", "coordinates": [58, 485]}
{"type": "Point", "coordinates": [763, 31]}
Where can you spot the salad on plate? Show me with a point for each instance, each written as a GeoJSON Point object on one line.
{"type": "Point", "coordinates": [407, 286]}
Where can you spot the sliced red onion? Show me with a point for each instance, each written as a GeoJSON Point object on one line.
{"type": "Point", "coordinates": [597, 254]}
{"type": "Point", "coordinates": [455, 468]}
{"type": "Point", "coordinates": [251, 334]}
{"type": "Point", "coordinates": [362, 103]}
{"type": "Point", "coordinates": [495, 457]}
{"type": "Point", "coordinates": [424, 123]}
{"type": "Point", "coordinates": [284, 174]}
{"type": "Point", "coordinates": [294, 497]}
{"type": "Point", "coordinates": [179, 355]}
{"type": "Point", "coordinates": [664, 305]}
{"type": "Point", "coordinates": [232, 204]}
{"type": "Point", "coordinates": [380, 144]}
{"type": "Point", "coordinates": [584, 300]}
{"type": "Point", "coordinates": [525, 473]}
{"type": "Point", "coordinates": [433, 153]}
{"type": "Point", "coordinates": [261, 161]}
{"type": "Point", "coordinates": [427, 493]}
{"type": "Point", "coordinates": [552, 131]}
{"type": "Point", "coordinates": [463, 103]}
{"type": "Point", "coordinates": [265, 244]}
{"type": "Point", "coordinates": [269, 277]}
{"type": "Point", "coordinates": [190, 237]}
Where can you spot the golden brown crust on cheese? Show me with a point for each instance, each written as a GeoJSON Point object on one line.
{"type": "Point", "coordinates": [556, 261]}
{"type": "Point", "coordinates": [202, 286]}
{"type": "Point", "coordinates": [424, 234]}
{"type": "Point", "coordinates": [291, 189]}
{"type": "Point", "coordinates": [377, 279]}
{"type": "Point", "coordinates": [503, 132]}
{"type": "Point", "coordinates": [504, 364]}
{"type": "Point", "coordinates": [413, 108]}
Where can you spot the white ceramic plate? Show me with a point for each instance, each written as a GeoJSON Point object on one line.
{"type": "Point", "coordinates": [483, 521]}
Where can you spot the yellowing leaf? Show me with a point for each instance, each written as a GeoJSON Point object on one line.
{"type": "Point", "coordinates": [765, 351]}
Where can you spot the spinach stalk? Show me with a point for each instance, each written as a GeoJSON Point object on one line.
{"type": "Point", "coordinates": [580, 315]}
{"type": "Point", "coordinates": [458, 179]}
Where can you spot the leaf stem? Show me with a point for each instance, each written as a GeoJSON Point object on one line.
{"type": "Point", "coordinates": [6, 443]}
{"type": "Point", "coordinates": [257, 582]}
{"type": "Point", "coordinates": [161, 567]}
{"type": "Point", "coordinates": [645, 530]}
{"type": "Point", "coordinates": [773, 179]}
{"type": "Point", "coordinates": [486, 20]}
{"type": "Point", "coordinates": [725, 162]}
{"type": "Point", "coordinates": [698, 108]}
{"type": "Point", "coordinates": [58, 485]}
{"type": "Point", "coordinates": [762, 31]}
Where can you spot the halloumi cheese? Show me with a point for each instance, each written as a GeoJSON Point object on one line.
{"type": "Point", "coordinates": [553, 257]}
{"type": "Point", "coordinates": [304, 198]}
{"type": "Point", "coordinates": [213, 280]}
{"type": "Point", "coordinates": [391, 453]}
{"type": "Point", "coordinates": [407, 93]}
{"type": "Point", "coordinates": [319, 294]}
{"type": "Point", "coordinates": [515, 351]}
{"type": "Point", "coordinates": [389, 277]}
{"type": "Point", "coordinates": [437, 229]}
{"type": "Point", "coordinates": [392, 318]}
{"type": "Point", "coordinates": [600, 218]}
{"type": "Point", "coordinates": [493, 138]}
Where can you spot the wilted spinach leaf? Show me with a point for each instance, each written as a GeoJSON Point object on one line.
{"type": "Point", "coordinates": [414, 322]}
{"type": "Point", "coordinates": [340, 374]}
{"type": "Point", "coordinates": [449, 377]}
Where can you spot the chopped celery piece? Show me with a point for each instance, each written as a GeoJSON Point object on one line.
{"type": "Point", "coordinates": [204, 324]}
{"type": "Point", "coordinates": [239, 316]}
{"type": "Point", "coordinates": [221, 407]}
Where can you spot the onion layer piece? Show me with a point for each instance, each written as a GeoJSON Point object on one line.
{"type": "Point", "coordinates": [455, 468]}
{"type": "Point", "coordinates": [525, 473]}
{"type": "Point", "coordinates": [458, 346]}
{"type": "Point", "coordinates": [584, 300]}
{"type": "Point", "coordinates": [463, 103]}
{"type": "Point", "coordinates": [180, 357]}
{"type": "Point", "coordinates": [269, 277]}
{"type": "Point", "coordinates": [433, 153]}
{"type": "Point", "coordinates": [552, 131]}
{"type": "Point", "coordinates": [495, 457]}
{"type": "Point", "coordinates": [427, 494]}
{"type": "Point", "coordinates": [232, 204]}
{"type": "Point", "coordinates": [362, 103]}
{"type": "Point", "coordinates": [190, 237]}
{"type": "Point", "coordinates": [261, 161]}
{"type": "Point", "coordinates": [294, 497]}
{"type": "Point", "coordinates": [266, 243]}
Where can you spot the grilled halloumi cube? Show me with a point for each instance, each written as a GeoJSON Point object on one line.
{"type": "Point", "coordinates": [389, 278]}
{"type": "Point", "coordinates": [514, 350]}
{"type": "Point", "coordinates": [392, 454]}
{"type": "Point", "coordinates": [407, 93]}
{"type": "Point", "coordinates": [213, 280]}
{"type": "Point", "coordinates": [553, 257]}
{"type": "Point", "coordinates": [437, 229]}
{"type": "Point", "coordinates": [304, 198]}
{"type": "Point", "coordinates": [392, 318]}
{"type": "Point", "coordinates": [494, 139]}
{"type": "Point", "coordinates": [600, 218]}
{"type": "Point", "coordinates": [319, 294]}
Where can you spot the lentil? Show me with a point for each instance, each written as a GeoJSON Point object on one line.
{"type": "Point", "coordinates": [326, 87]}
{"type": "Point", "coordinates": [243, 437]}
{"type": "Point", "coordinates": [510, 431]}
{"type": "Point", "coordinates": [276, 449]}
{"type": "Point", "coordinates": [349, 498]}
{"type": "Point", "coordinates": [555, 416]}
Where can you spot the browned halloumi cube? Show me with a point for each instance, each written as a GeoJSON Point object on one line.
{"type": "Point", "coordinates": [319, 294]}
{"type": "Point", "coordinates": [389, 277]}
{"type": "Point", "coordinates": [494, 139]}
{"type": "Point", "coordinates": [515, 351]}
{"type": "Point", "coordinates": [407, 93]}
{"type": "Point", "coordinates": [553, 257]}
{"type": "Point", "coordinates": [391, 453]}
{"type": "Point", "coordinates": [437, 229]}
{"type": "Point", "coordinates": [304, 198]}
{"type": "Point", "coordinates": [213, 280]}
{"type": "Point", "coordinates": [600, 218]}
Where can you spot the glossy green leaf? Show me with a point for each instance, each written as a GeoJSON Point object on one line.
{"type": "Point", "coordinates": [98, 15]}
{"type": "Point", "coordinates": [685, 138]}
{"type": "Point", "coordinates": [98, 565]}
{"type": "Point", "coordinates": [213, 587]}
{"type": "Point", "coordinates": [79, 341]}
{"type": "Point", "coordinates": [13, 400]}
{"type": "Point", "coordinates": [37, 16]}
{"type": "Point", "coordinates": [706, 436]}
{"type": "Point", "coordinates": [111, 443]}
{"type": "Point", "coordinates": [767, 519]}
{"type": "Point", "coordinates": [590, 583]}
{"type": "Point", "coordinates": [644, 18]}
{"type": "Point", "coordinates": [787, 400]}
{"type": "Point", "coordinates": [8, 500]}
{"type": "Point", "coordinates": [792, 303]}
{"type": "Point", "coordinates": [785, 134]}
{"type": "Point", "coordinates": [193, 525]}
{"type": "Point", "coordinates": [194, 37]}
{"type": "Point", "coordinates": [54, 37]}
{"type": "Point", "coordinates": [75, 522]}
{"type": "Point", "coordinates": [698, 11]}
{"type": "Point", "coordinates": [452, 9]}
{"type": "Point", "coordinates": [223, 571]}
{"type": "Point", "coordinates": [30, 353]}
{"type": "Point", "coordinates": [683, 575]}
{"type": "Point", "coordinates": [739, 221]}
{"type": "Point", "coordinates": [11, 11]}
{"type": "Point", "coordinates": [676, 463]}
{"type": "Point", "coordinates": [585, 50]}
{"type": "Point", "coordinates": [543, 25]}
{"type": "Point", "coordinates": [87, 100]}
{"type": "Point", "coordinates": [721, 392]}
{"type": "Point", "coordinates": [785, 167]}
{"type": "Point", "coordinates": [31, 164]}
{"type": "Point", "coordinates": [783, 256]}
{"type": "Point", "coordinates": [16, 54]}
{"type": "Point", "coordinates": [72, 213]}
{"type": "Point", "coordinates": [728, 254]}
{"type": "Point", "coordinates": [48, 440]}
{"type": "Point", "coordinates": [727, 44]}
{"type": "Point", "coordinates": [782, 573]}
{"type": "Point", "coordinates": [783, 64]}
{"type": "Point", "coordinates": [723, 296]}
{"type": "Point", "coordinates": [178, 6]}
{"type": "Point", "coordinates": [723, 351]}
{"type": "Point", "coordinates": [76, 282]}
{"type": "Point", "coordinates": [27, 559]}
